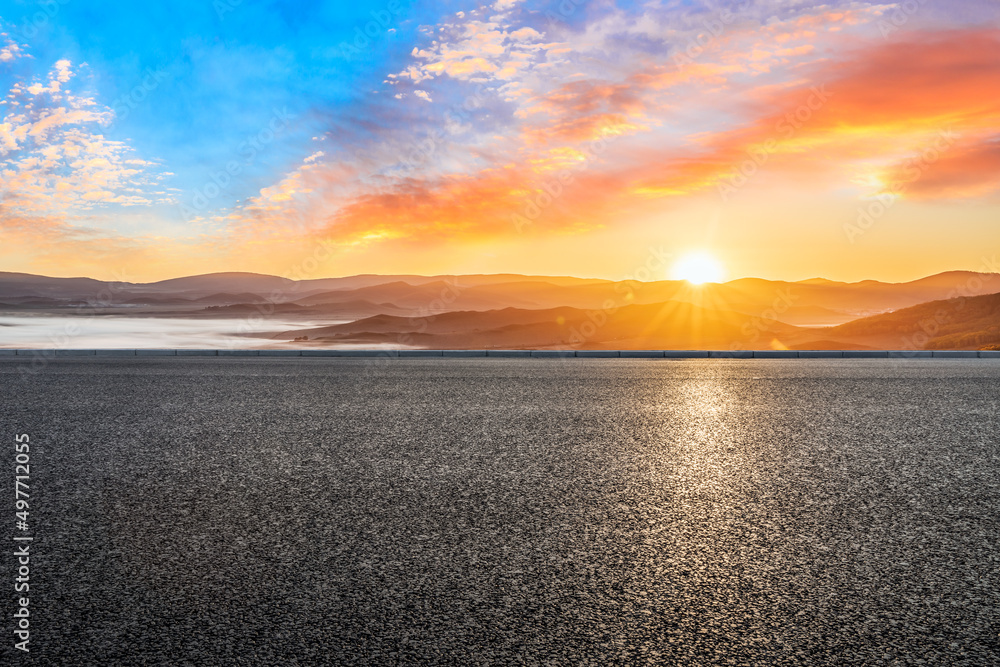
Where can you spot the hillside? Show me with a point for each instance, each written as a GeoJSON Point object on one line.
{"type": "Point", "coordinates": [964, 323]}
{"type": "Point", "coordinates": [648, 326]}
{"type": "Point", "coordinates": [507, 310]}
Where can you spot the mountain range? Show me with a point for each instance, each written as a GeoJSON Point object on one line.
{"type": "Point", "coordinates": [953, 310]}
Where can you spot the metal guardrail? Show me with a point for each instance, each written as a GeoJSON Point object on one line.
{"type": "Point", "coordinates": [561, 354]}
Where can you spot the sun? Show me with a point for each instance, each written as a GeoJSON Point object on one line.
{"type": "Point", "coordinates": [698, 268]}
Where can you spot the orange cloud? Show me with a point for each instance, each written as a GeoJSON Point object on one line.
{"type": "Point", "coordinates": [935, 79]}
{"type": "Point", "coordinates": [866, 114]}
{"type": "Point", "coordinates": [882, 104]}
{"type": "Point", "coordinates": [583, 110]}
{"type": "Point", "coordinates": [50, 241]}
{"type": "Point", "coordinates": [57, 245]}
{"type": "Point", "coordinates": [967, 170]}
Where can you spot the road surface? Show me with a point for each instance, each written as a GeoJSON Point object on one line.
{"type": "Point", "coordinates": [494, 511]}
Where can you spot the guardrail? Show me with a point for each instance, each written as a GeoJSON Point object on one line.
{"type": "Point", "coordinates": [559, 354]}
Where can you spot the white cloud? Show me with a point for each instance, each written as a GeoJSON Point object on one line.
{"type": "Point", "coordinates": [525, 34]}
{"type": "Point", "coordinates": [10, 50]}
{"type": "Point", "coordinates": [504, 5]}
{"type": "Point", "coordinates": [477, 49]}
{"type": "Point", "coordinates": [56, 157]}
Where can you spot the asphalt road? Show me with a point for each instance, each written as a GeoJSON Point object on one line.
{"type": "Point", "coordinates": [584, 512]}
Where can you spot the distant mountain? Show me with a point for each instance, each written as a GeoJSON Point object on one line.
{"type": "Point", "coordinates": [281, 289]}
{"type": "Point", "coordinates": [814, 301]}
{"type": "Point", "coordinates": [346, 310]}
{"type": "Point", "coordinates": [225, 298]}
{"type": "Point", "coordinates": [286, 289]}
{"type": "Point", "coordinates": [650, 326]}
{"type": "Point", "coordinates": [214, 283]}
{"type": "Point", "coordinates": [964, 323]}
{"type": "Point", "coordinates": [26, 284]}
{"type": "Point", "coordinates": [862, 298]}
{"type": "Point", "coordinates": [811, 303]}
{"type": "Point", "coordinates": [546, 311]}
{"type": "Point", "coordinates": [829, 345]}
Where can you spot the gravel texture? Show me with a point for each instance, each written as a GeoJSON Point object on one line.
{"type": "Point", "coordinates": [215, 511]}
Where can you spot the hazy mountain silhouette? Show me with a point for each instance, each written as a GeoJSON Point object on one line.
{"type": "Point", "coordinates": [510, 310]}
{"type": "Point", "coordinates": [659, 326]}
{"type": "Point", "coordinates": [964, 323]}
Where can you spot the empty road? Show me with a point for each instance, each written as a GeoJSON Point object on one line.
{"type": "Point", "coordinates": [496, 511]}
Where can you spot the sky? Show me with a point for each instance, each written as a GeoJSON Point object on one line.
{"type": "Point", "coordinates": [786, 139]}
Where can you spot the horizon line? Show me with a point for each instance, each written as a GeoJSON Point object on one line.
{"type": "Point", "coordinates": [523, 275]}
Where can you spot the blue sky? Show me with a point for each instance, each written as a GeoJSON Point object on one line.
{"type": "Point", "coordinates": [516, 135]}
{"type": "Point", "coordinates": [222, 71]}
